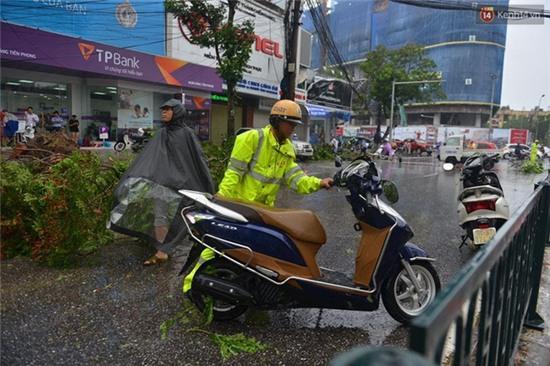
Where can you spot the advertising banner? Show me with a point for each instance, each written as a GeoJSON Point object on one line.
{"type": "Point", "coordinates": [21, 44]}
{"type": "Point", "coordinates": [135, 24]}
{"type": "Point", "coordinates": [334, 93]}
{"type": "Point", "coordinates": [518, 136]}
{"type": "Point", "coordinates": [134, 108]}
{"type": "Point", "coordinates": [264, 71]}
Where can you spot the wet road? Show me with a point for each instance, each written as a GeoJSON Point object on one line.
{"type": "Point", "coordinates": [109, 309]}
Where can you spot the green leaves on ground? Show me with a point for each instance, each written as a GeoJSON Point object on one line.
{"type": "Point", "coordinates": [231, 345]}
{"type": "Point", "coordinates": [532, 167]}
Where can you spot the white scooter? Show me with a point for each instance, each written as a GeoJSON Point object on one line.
{"type": "Point", "coordinates": [482, 208]}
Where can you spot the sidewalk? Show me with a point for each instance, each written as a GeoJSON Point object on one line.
{"type": "Point", "coordinates": [534, 346]}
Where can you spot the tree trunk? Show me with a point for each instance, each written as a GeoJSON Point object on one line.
{"type": "Point", "coordinates": [230, 108]}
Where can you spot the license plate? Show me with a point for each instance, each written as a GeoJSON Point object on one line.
{"type": "Point", "coordinates": [482, 236]}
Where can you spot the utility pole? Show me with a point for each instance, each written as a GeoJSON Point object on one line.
{"type": "Point", "coordinates": [292, 53]}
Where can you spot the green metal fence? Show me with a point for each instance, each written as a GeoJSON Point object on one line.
{"type": "Point", "coordinates": [481, 312]}
{"type": "Point", "coordinates": [494, 295]}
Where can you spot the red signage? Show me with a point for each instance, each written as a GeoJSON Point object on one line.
{"type": "Point", "coordinates": [267, 46]}
{"type": "Point", "coordinates": [487, 14]}
{"type": "Point", "coordinates": [518, 136]}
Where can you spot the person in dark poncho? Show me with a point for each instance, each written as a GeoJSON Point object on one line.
{"type": "Point", "coordinates": [147, 203]}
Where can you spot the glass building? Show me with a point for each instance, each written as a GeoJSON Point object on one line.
{"type": "Point", "coordinates": [468, 52]}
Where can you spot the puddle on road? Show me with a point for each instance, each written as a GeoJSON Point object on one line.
{"type": "Point", "coordinates": [381, 328]}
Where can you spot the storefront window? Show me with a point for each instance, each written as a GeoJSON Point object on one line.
{"type": "Point", "coordinates": [43, 97]}
{"type": "Point", "coordinates": [198, 116]}
{"type": "Point", "coordinates": [103, 113]}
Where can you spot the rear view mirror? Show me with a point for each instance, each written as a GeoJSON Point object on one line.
{"type": "Point", "coordinates": [390, 191]}
{"type": "Point", "coordinates": [448, 167]}
{"type": "Point", "coordinates": [338, 161]}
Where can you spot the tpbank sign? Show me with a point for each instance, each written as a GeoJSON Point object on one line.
{"type": "Point", "coordinates": [107, 57]}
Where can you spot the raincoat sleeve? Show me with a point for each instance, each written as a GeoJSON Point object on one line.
{"type": "Point", "coordinates": [298, 181]}
{"type": "Point", "coordinates": [243, 151]}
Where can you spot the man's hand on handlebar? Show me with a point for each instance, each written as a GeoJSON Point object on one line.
{"type": "Point", "coordinates": [326, 183]}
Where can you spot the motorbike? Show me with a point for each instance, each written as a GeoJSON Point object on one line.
{"type": "Point", "coordinates": [265, 257]}
{"type": "Point", "coordinates": [135, 142]}
{"type": "Point", "coordinates": [482, 208]}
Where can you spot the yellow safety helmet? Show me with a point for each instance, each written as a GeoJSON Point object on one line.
{"type": "Point", "coordinates": [286, 110]}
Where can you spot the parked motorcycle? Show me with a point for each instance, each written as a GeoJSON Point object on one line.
{"type": "Point", "coordinates": [482, 208]}
{"type": "Point", "coordinates": [135, 142]}
{"type": "Point", "coordinates": [265, 258]}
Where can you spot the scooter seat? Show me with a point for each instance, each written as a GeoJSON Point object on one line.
{"type": "Point", "coordinates": [299, 224]}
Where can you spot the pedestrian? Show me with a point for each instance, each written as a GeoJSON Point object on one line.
{"type": "Point", "coordinates": [31, 119]}
{"type": "Point", "coordinates": [3, 124]}
{"type": "Point", "coordinates": [147, 201]}
{"type": "Point", "coordinates": [534, 150]}
{"type": "Point", "coordinates": [264, 159]}
{"type": "Point", "coordinates": [334, 143]}
{"type": "Point", "coordinates": [73, 128]}
{"type": "Point", "coordinates": [58, 123]}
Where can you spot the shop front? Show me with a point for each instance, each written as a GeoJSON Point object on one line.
{"type": "Point", "coordinates": [107, 88]}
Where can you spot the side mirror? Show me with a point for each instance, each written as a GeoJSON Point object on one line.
{"type": "Point", "coordinates": [390, 191]}
{"type": "Point", "coordinates": [338, 161]}
{"type": "Point", "coordinates": [448, 167]}
{"type": "Point", "coordinates": [444, 144]}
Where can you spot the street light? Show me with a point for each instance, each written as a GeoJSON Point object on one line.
{"type": "Point", "coordinates": [537, 117]}
{"type": "Point", "coordinates": [394, 83]}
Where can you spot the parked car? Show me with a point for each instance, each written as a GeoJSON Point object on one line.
{"type": "Point", "coordinates": [417, 146]}
{"type": "Point", "coordinates": [303, 149]}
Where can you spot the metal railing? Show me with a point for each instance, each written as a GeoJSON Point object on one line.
{"type": "Point", "coordinates": [477, 319]}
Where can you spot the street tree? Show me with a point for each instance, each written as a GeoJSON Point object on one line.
{"type": "Point", "coordinates": [382, 66]}
{"type": "Point", "coordinates": [208, 26]}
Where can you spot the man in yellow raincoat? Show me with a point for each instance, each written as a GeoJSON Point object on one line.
{"type": "Point", "coordinates": [260, 162]}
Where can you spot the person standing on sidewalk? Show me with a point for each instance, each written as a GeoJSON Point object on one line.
{"type": "Point", "coordinates": [148, 205]}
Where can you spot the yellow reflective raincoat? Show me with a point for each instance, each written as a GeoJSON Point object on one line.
{"type": "Point", "coordinates": [258, 166]}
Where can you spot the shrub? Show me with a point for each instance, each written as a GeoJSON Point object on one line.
{"type": "Point", "coordinates": [323, 152]}
{"type": "Point", "coordinates": [55, 215]}
{"type": "Point", "coordinates": [218, 157]}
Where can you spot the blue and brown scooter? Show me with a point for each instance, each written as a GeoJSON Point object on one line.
{"type": "Point", "coordinates": [265, 258]}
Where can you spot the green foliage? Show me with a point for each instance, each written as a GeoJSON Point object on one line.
{"type": "Point", "coordinates": [57, 214]}
{"type": "Point", "coordinates": [231, 345]}
{"type": "Point", "coordinates": [532, 167]}
{"type": "Point", "coordinates": [218, 157]}
{"type": "Point", "coordinates": [409, 63]}
{"type": "Point", "coordinates": [208, 313]}
{"type": "Point", "coordinates": [323, 152]}
{"type": "Point", "coordinates": [182, 317]}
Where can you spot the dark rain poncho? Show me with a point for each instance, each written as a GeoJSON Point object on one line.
{"type": "Point", "coordinates": [147, 193]}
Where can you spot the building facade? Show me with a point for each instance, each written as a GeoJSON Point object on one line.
{"type": "Point", "coordinates": [468, 53]}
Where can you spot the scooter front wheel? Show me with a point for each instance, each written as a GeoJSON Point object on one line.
{"type": "Point", "coordinates": [403, 299]}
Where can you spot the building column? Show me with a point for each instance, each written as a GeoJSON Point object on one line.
{"type": "Point", "coordinates": [437, 119]}
{"type": "Point", "coordinates": [478, 119]}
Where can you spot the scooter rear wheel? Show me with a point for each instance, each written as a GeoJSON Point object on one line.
{"type": "Point", "coordinates": [119, 146]}
{"type": "Point", "coordinates": [224, 270]}
{"type": "Point", "coordinates": [402, 299]}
